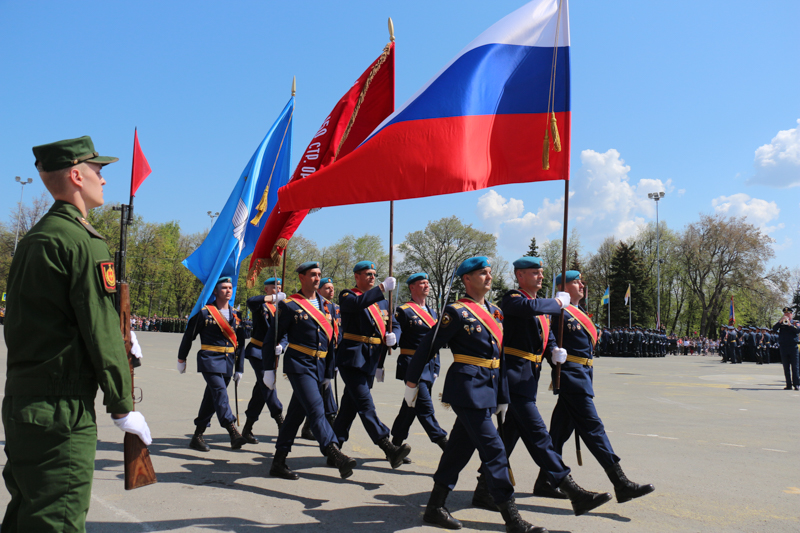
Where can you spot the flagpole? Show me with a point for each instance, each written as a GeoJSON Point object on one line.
{"type": "Point", "coordinates": [630, 307]}
{"type": "Point", "coordinates": [557, 384]}
{"type": "Point", "coordinates": [609, 307]}
{"type": "Point", "coordinates": [391, 230]}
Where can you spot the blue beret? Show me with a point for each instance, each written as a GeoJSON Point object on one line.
{"type": "Point", "coordinates": [472, 264]}
{"type": "Point", "coordinates": [273, 281]}
{"type": "Point", "coordinates": [225, 279]}
{"type": "Point", "coordinates": [306, 266]}
{"type": "Point", "coordinates": [325, 281]}
{"type": "Point", "coordinates": [361, 265]}
{"type": "Point", "coordinates": [416, 277]}
{"type": "Point", "coordinates": [528, 262]}
{"type": "Point", "coordinates": [572, 275]}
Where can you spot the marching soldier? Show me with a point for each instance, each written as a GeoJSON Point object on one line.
{"type": "Point", "coordinates": [220, 335]}
{"type": "Point", "coordinates": [476, 388]}
{"type": "Point", "coordinates": [262, 307]}
{"type": "Point", "coordinates": [365, 313]}
{"type": "Point", "coordinates": [328, 394]}
{"type": "Point", "coordinates": [62, 275]}
{"type": "Point", "coordinates": [416, 319]}
{"type": "Point", "coordinates": [575, 410]}
{"type": "Point", "coordinates": [526, 339]}
{"type": "Point", "coordinates": [306, 318]}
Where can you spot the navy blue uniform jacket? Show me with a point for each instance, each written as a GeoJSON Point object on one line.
{"type": "Point", "coordinates": [522, 330]}
{"type": "Point", "coordinates": [787, 337]}
{"type": "Point", "coordinates": [575, 378]}
{"type": "Point", "coordinates": [300, 328]}
{"type": "Point", "coordinates": [211, 335]}
{"type": "Point", "coordinates": [466, 385]}
{"type": "Point", "coordinates": [414, 329]}
{"type": "Point", "coordinates": [357, 320]}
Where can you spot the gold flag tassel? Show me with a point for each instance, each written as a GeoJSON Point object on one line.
{"type": "Point", "coordinates": [554, 131]}
{"type": "Point", "coordinates": [262, 206]}
{"type": "Point", "coordinates": [546, 152]}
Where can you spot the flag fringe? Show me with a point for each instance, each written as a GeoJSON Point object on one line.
{"type": "Point", "coordinates": [263, 262]}
{"type": "Point", "coordinates": [372, 73]}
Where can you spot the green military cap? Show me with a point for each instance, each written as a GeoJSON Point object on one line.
{"type": "Point", "coordinates": [68, 153]}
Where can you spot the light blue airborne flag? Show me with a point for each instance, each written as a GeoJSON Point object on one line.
{"type": "Point", "coordinates": [233, 236]}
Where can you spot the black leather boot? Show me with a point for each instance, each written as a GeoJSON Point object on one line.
{"type": "Point", "coordinates": [306, 432]}
{"type": "Point", "coordinates": [279, 468]}
{"type": "Point", "coordinates": [197, 442]}
{"type": "Point", "coordinates": [247, 432]}
{"type": "Point", "coordinates": [481, 497]}
{"type": "Point", "coordinates": [544, 489]}
{"type": "Point", "coordinates": [237, 441]}
{"type": "Point", "coordinates": [442, 443]}
{"type": "Point", "coordinates": [514, 522]}
{"type": "Point", "coordinates": [344, 463]}
{"type": "Point", "coordinates": [395, 454]}
{"type": "Point", "coordinates": [582, 500]}
{"type": "Point", "coordinates": [436, 512]}
{"type": "Point", "coordinates": [278, 420]}
{"type": "Point", "coordinates": [624, 488]}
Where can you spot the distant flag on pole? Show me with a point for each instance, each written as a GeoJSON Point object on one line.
{"type": "Point", "coordinates": [628, 294]}
{"type": "Point", "coordinates": [478, 123]}
{"type": "Point", "coordinates": [365, 104]}
{"type": "Point", "coordinates": [732, 317]}
{"type": "Point", "coordinates": [140, 168]}
{"type": "Point", "coordinates": [232, 238]}
{"type": "Point", "coordinates": [606, 296]}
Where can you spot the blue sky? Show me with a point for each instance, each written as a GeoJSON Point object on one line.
{"type": "Point", "coordinates": [699, 99]}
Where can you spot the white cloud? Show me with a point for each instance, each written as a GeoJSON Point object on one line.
{"type": "Point", "coordinates": [778, 163]}
{"type": "Point", "coordinates": [681, 192]}
{"type": "Point", "coordinates": [758, 212]}
{"type": "Point", "coordinates": [603, 201]}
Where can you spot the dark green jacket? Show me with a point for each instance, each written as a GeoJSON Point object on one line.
{"type": "Point", "coordinates": [62, 330]}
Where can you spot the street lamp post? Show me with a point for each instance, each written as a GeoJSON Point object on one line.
{"type": "Point", "coordinates": [19, 213]}
{"type": "Point", "coordinates": [658, 196]}
{"type": "Point", "coordinates": [212, 216]}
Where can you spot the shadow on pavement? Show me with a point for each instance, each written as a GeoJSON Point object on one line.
{"type": "Point", "coordinates": [399, 512]}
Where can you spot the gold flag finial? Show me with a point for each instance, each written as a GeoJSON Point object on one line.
{"type": "Point", "coordinates": [391, 29]}
{"type": "Point", "coordinates": [294, 85]}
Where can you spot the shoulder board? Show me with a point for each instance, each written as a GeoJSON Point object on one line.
{"type": "Point", "coordinates": [89, 228]}
{"type": "Point", "coordinates": [345, 292]}
{"type": "Point", "coordinates": [405, 306]}
{"type": "Point", "coordinates": [456, 305]}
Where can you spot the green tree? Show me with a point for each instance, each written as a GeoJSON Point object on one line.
{"type": "Point", "coordinates": [533, 249]}
{"type": "Point", "coordinates": [440, 248]}
{"type": "Point", "coordinates": [627, 270]}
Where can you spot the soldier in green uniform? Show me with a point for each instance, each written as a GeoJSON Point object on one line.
{"type": "Point", "coordinates": [63, 267]}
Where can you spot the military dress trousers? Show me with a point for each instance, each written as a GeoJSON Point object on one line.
{"type": "Point", "coordinates": [261, 395]}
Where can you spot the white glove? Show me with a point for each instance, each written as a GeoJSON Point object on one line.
{"type": "Point", "coordinates": [434, 378]}
{"type": "Point", "coordinates": [389, 284]}
{"type": "Point", "coordinates": [379, 375]}
{"type": "Point", "coordinates": [237, 377]}
{"type": "Point", "coordinates": [410, 396]}
{"type": "Point", "coordinates": [391, 339]}
{"type": "Point", "coordinates": [501, 411]}
{"type": "Point", "coordinates": [326, 383]}
{"type": "Point", "coordinates": [278, 349]}
{"type": "Point", "coordinates": [136, 350]}
{"type": "Point", "coordinates": [279, 297]}
{"type": "Point", "coordinates": [269, 379]}
{"type": "Point", "coordinates": [563, 298]}
{"type": "Point", "coordinates": [559, 355]}
{"type": "Point", "coordinates": [181, 367]}
{"type": "Point", "coordinates": [134, 423]}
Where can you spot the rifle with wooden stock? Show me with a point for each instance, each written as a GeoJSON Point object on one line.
{"type": "Point", "coordinates": [138, 466]}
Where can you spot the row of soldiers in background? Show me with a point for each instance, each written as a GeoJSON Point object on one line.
{"type": "Point", "coordinates": [156, 323]}
{"type": "Point", "coordinates": [749, 343]}
{"type": "Point", "coordinates": [632, 342]}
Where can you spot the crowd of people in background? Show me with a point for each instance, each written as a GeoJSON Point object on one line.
{"type": "Point", "coordinates": [166, 324]}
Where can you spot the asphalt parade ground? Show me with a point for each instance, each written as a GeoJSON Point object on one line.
{"type": "Point", "coordinates": [720, 442]}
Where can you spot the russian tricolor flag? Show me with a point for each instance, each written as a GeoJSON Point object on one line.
{"type": "Point", "coordinates": [480, 122]}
